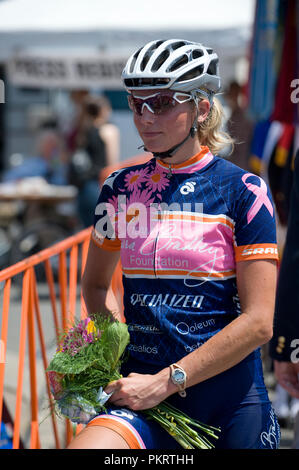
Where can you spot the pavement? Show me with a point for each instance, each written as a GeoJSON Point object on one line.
{"type": "Point", "coordinates": [45, 422]}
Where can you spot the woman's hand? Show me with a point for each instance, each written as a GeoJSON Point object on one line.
{"type": "Point", "coordinates": [287, 375]}
{"type": "Point", "coordinates": [141, 391]}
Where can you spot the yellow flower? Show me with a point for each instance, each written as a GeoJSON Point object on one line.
{"type": "Point", "coordinates": [90, 327]}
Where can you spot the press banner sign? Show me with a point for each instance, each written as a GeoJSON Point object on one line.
{"type": "Point", "coordinates": [103, 71]}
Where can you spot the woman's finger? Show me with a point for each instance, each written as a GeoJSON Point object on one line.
{"type": "Point", "coordinates": [112, 387]}
{"type": "Point", "coordinates": [118, 402]}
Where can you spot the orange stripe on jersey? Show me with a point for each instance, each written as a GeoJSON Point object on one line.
{"type": "Point", "coordinates": [257, 251]}
{"type": "Point", "coordinates": [177, 272]}
{"type": "Point", "coordinates": [196, 158]}
{"type": "Point", "coordinates": [105, 243]}
{"type": "Point", "coordinates": [196, 218]}
{"type": "Point", "coordinates": [220, 220]}
{"type": "Point", "coordinates": [120, 428]}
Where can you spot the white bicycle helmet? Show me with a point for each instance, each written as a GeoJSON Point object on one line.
{"type": "Point", "coordinates": [173, 64]}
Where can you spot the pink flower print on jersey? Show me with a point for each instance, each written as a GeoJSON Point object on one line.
{"type": "Point", "coordinates": [122, 202]}
{"type": "Point", "coordinates": [144, 197]}
{"type": "Point", "coordinates": [135, 178]}
{"type": "Point", "coordinates": [113, 206]}
{"type": "Point", "coordinates": [261, 198]}
{"type": "Point", "coordinates": [157, 180]}
{"type": "Point", "coordinates": [138, 213]}
{"type": "Point", "coordinates": [122, 209]}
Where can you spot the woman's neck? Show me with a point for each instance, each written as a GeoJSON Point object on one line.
{"type": "Point", "coordinates": [191, 147]}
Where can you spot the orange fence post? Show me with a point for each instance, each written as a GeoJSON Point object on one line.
{"type": "Point", "coordinates": [50, 281]}
{"type": "Point", "coordinates": [4, 329]}
{"type": "Point", "coordinates": [84, 252]}
{"type": "Point", "coordinates": [22, 345]}
{"type": "Point", "coordinates": [73, 282]}
{"type": "Point", "coordinates": [35, 444]}
{"type": "Point", "coordinates": [63, 289]}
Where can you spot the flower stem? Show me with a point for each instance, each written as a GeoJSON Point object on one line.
{"type": "Point", "coordinates": [178, 425]}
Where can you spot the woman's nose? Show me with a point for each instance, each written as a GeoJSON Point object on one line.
{"type": "Point", "coordinates": [147, 116]}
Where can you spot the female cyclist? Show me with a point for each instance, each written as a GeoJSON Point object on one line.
{"type": "Point", "coordinates": [197, 241]}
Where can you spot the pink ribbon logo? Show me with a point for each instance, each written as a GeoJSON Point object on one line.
{"type": "Point", "coordinates": [261, 197]}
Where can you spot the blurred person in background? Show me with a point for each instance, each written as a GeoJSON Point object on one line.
{"type": "Point", "coordinates": [38, 218]}
{"type": "Point", "coordinates": [73, 117]}
{"type": "Point", "coordinates": [49, 162]}
{"type": "Point", "coordinates": [238, 126]}
{"type": "Point", "coordinates": [284, 345]}
{"type": "Point", "coordinates": [97, 147]}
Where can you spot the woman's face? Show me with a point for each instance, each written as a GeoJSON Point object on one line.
{"type": "Point", "coordinates": [161, 132]}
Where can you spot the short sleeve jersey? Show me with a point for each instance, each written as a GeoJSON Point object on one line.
{"type": "Point", "coordinates": [181, 230]}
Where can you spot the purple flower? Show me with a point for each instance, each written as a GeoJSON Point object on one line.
{"type": "Point", "coordinates": [82, 334]}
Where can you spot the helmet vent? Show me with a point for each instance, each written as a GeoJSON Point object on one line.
{"type": "Point", "coordinates": [196, 72]}
{"type": "Point", "coordinates": [178, 63]}
{"type": "Point", "coordinates": [197, 53]}
{"type": "Point", "coordinates": [212, 70]}
{"type": "Point", "coordinates": [161, 81]}
{"type": "Point", "coordinates": [160, 60]}
{"type": "Point", "coordinates": [145, 82]}
{"type": "Point", "coordinates": [134, 61]}
{"type": "Point", "coordinates": [177, 45]}
{"type": "Point", "coordinates": [148, 55]}
{"type": "Point", "coordinates": [145, 61]}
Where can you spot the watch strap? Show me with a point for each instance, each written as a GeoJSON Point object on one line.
{"type": "Point", "coordinates": [182, 391]}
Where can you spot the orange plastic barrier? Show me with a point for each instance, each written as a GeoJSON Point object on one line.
{"type": "Point", "coordinates": [71, 254]}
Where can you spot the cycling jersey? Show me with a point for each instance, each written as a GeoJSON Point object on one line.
{"type": "Point", "coordinates": [179, 256]}
{"type": "Point", "coordinates": [181, 229]}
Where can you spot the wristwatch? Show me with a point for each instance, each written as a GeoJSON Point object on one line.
{"type": "Point", "coordinates": [178, 377]}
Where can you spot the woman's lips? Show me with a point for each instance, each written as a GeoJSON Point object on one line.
{"type": "Point", "coordinates": [151, 134]}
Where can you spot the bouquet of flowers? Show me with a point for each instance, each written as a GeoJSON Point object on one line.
{"type": "Point", "coordinates": [89, 356]}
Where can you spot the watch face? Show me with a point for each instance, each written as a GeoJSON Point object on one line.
{"type": "Point", "coordinates": [178, 376]}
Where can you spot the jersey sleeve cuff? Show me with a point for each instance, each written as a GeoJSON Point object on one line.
{"type": "Point", "coordinates": [256, 251]}
{"type": "Point", "coordinates": [105, 243]}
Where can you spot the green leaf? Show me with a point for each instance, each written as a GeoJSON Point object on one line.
{"type": "Point", "coordinates": [115, 338]}
{"type": "Point", "coordinates": [67, 364]}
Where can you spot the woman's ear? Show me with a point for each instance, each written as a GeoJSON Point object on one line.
{"type": "Point", "coordinates": [203, 110]}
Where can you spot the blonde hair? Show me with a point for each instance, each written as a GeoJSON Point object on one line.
{"type": "Point", "coordinates": [210, 131]}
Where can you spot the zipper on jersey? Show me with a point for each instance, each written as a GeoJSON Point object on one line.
{"type": "Point", "coordinates": [169, 174]}
{"type": "Point", "coordinates": [155, 245]}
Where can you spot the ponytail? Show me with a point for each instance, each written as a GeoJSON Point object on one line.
{"type": "Point", "coordinates": [210, 131]}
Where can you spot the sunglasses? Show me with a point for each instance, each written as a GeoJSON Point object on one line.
{"type": "Point", "coordinates": [159, 103]}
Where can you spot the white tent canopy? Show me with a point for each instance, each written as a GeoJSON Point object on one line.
{"type": "Point", "coordinates": [79, 15]}
{"type": "Point", "coordinates": [39, 36]}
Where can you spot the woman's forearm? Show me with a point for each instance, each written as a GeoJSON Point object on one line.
{"type": "Point", "coordinates": [223, 350]}
{"type": "Point", "coordinates": [101, 300]}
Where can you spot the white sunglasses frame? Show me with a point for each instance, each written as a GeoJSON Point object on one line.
{"type": "Point", "coordinates": [175, 97]}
